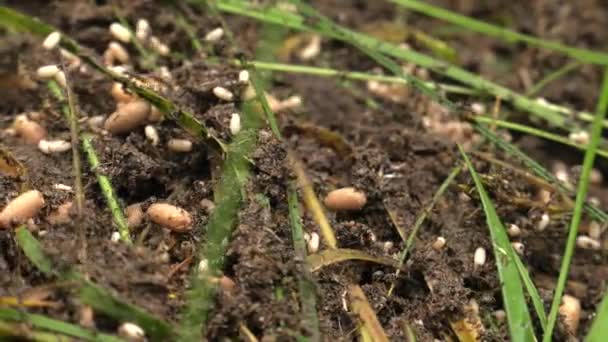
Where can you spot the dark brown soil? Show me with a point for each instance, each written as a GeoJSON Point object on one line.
{"type": "Point", "coordinates": [395, 160]}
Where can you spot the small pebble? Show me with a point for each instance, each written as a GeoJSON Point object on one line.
{"type": "Point", "coordinates": [63, 187]}
{"type": "Point", "coordinates": [580, 138]}
{"type": "Point", "coordinates": [500, 315]}
{"type": "Point", "coordinates": [235, 123]}
{"type": "Point", "coordinates": [596, 176]}
{"type": "Point", "coordinates": [54, 146]}
{"type": "Point", "coordinates": [207, 205]}
{"type": "Point", "coordinates": [478, 108]}
{"type": "Point", "coordinates": [203, 266]}
{"type": "Point", "coordinates": [214, 35]}
{"type": "Point", "coordinates": [595, 230]}
{"type": "Point", "coordinates": [52, 40]}
{"type": "Point", "coordinates": [120, 32]}
{"type": "Point", "coordinates": [135, 215]}
{"type": "Point", "coordinates": [345, 199]}
{"type": "Point", "coordinates": [180, 145]}
{"type": "Point", "coordinates": [160, 47]}
{"type": "Point", "coordinates": [223, 93]}
{"type": "Point", "coordinates": [118, 52]}
{"type": "Point", "coordinates": [61, 215]}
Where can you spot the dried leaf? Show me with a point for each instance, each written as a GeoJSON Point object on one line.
{"type": "Point", "coordinates": [332, 256]}
{"type": "Point", "coordinates": [363, 309]}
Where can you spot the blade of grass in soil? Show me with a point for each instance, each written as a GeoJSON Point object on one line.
{"type": "Point", "coordinates": [514, 301]}
{"type": "Point", "coordinates": [306, 286]}
{"type": "Point", "coordinates": [16, 21]}
{"type": "Point", "coordinates": [555, 115]}
{"type": "Point", "coordinates": [581, 195]}
{"type": "Point", "coordinates": [584, 55]}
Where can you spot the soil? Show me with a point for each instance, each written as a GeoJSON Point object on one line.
{"type": "Point", "coordinates": [392, 157]}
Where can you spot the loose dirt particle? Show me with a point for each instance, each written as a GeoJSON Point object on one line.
{"type": "Point", "coordinates": [570, 310]}
{"type": "Point", "coordinates": [128, 117]}
{"type": "Point", "coordinates": [131, 332]}
{"type": "Point", "coordinates": [158, 46]}
{"type": "Point", "coordinates": [115, 237]}
{"type": "Point", "coordinates": [54, 146]}
{"type": "Point", "coordinates": [120, 32]}
{"type": "Point", "coordinates": [29, 130]}
{"type": "Point", "coordinates": [203, 266]}
{"type": "Point", "coordinates": [235, 123]}
{"type": "Point", "coordinates": [345, 199]}
{"type": "Point", "coordinates": [170, 216]}
{"type": "Point", "coordinates": [311, 50]}
{"type": "Point", "coordinates": [21, 208]}
{"type": "Point", "coordinates": [207, 205]}
{"type": "Point", "coordinates": [51, 41]}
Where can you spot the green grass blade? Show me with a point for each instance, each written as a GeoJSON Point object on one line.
{"type": "Point", "coordinates": [561, 72]}
{"type": "Point", "coordinates": [518, 317]}
{"type": "Point", "coordinates": [305, 283]}
{"type": "Point", "coordinates": [100, 300]}
{"type": "Point", "coordinates": [33, 251]}
{"type": "Point", "coordinates": [537, 169]}
{"type": "Point", "coordinates": [106, 189]}
{"type": "Point", "coordinates": [598, 331]}
{"type": "Point", "coordinates": [46, 323]}
{"type": "Point", "coordinates": [507, 35]}
{"type": "Point", "coordinates": [555, 115]}
{"type": "Point", "coordinates": [14, 20]}
{"type": "Point", "coordinates": [581, 195]}
{"type": "Point", "coordinates": [536, 132]}
{"type": "Point", "coordinates": [537, 301]}
{"type": "Point", "coordinates": [354, 75]}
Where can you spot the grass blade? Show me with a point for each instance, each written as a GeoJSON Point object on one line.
{"type": "Point", "coordinates": [555, 115]}
{"type": "Point", "coordinates": [552, 77]}
{"type": "Point", "coordinates": [106, 189]}
{"type": "Point", "coordinates": [46, 323]}
{"type": "Point", "coordinates": [507, 35]}
{"type": "Point", "coordinates": [518, 317]}
{"type": "Point", "coordinates": [14, 20]}
{"type": "Point", "coordinates": [100, 300]}
{"type": "Point", "coordinates": [537, 301]}
{"type": "Point", "coordinates": [360, 306]}
{"type": "Point", "coordinates": [33, 251]}
{"type": "Point", "coordinates": [306, 285]}
{"type": "Point", "coordinates": [538, 169]}
{"type": "Point", "coordinates": [535, 131]}
{"type": "Point", "coordinates": [598, 331]}
{"type": "Point", "coordinates": [581, 195]}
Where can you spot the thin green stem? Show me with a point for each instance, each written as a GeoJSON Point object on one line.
{"type": "Point", "coordinates": [581, 196]}
{"type": "Point", "coordinates": [106, 189]}
{"type": "Point", "coordinates": [559, 73]}
{"type": "Point", "coordinates": [507, 35]}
